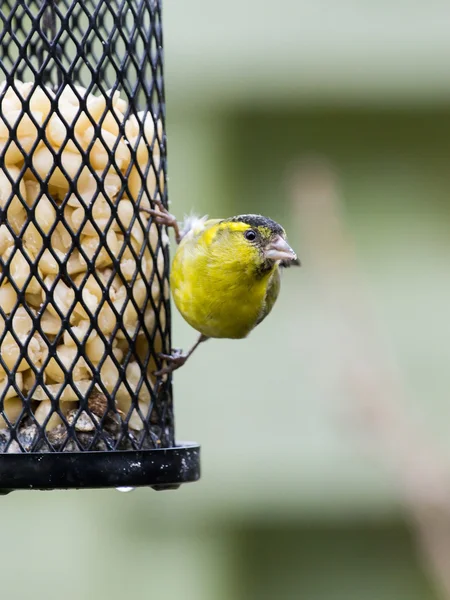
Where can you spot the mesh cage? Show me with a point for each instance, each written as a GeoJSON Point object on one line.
{"type": "Point", "coordinates": [84, 294]}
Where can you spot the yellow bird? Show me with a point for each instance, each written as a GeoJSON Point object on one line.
{"type": "Point", "coordinates": [225, 275]}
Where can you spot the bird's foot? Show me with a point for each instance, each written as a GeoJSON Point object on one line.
{"type": "Point", "coordinates": [163, 217]}
{"type": "Point", "coordinates": [174, 360]}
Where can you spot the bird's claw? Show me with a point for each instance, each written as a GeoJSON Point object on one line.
{"type": "Point", "coordinates": [160, 217]}
{"type": "Point", "coordinates": [163, 217]}
{"type": "Point", "coordinates": [174, 360]}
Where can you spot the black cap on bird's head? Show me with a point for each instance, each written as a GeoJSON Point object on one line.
{"type": "Point", "coordinates": [271, 238]}
{"type": "Point", "coordinates": [259, 221]}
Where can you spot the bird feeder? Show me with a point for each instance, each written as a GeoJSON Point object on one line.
{"type": "Point", "coordinates": [84, 292]}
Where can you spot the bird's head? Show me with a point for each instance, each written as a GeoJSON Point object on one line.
{"type": "Point", "coordinates": [260, 241]}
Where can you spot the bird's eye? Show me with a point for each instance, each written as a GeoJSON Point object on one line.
{"type": "Point", "coordinates": [250, 235]}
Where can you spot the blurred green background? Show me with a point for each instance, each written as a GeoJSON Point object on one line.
{"type": "Point", "coordinates": [300, 496]}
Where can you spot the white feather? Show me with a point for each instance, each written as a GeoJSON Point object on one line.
{"type": "Point", "coordinates": [193, 224]}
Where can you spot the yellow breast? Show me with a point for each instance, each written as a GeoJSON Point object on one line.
{"type": "Point", "coordinates": [216, 294]}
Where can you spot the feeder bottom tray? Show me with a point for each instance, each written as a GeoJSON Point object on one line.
{"type": "Point", "coordinates": [161, 469]}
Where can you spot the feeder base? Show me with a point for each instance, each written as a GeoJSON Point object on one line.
{"type": "Point", "coordinates": [160, 469]}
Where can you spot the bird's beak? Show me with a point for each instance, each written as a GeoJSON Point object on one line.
{"type": "Point", "coordinates": [279, 250]}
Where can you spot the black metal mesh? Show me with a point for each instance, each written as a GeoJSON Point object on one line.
{"type": "Point", "coordinates": [84, 308]}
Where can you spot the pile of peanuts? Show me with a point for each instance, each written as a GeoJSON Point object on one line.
{"type": "Point", "coordinates": [25, 113]}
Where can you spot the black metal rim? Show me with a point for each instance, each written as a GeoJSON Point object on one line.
{"type": "Point", "coordinates": [163, 468]}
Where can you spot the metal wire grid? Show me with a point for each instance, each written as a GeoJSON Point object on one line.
{"type": "Point", "coordinates": [104, 46]}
